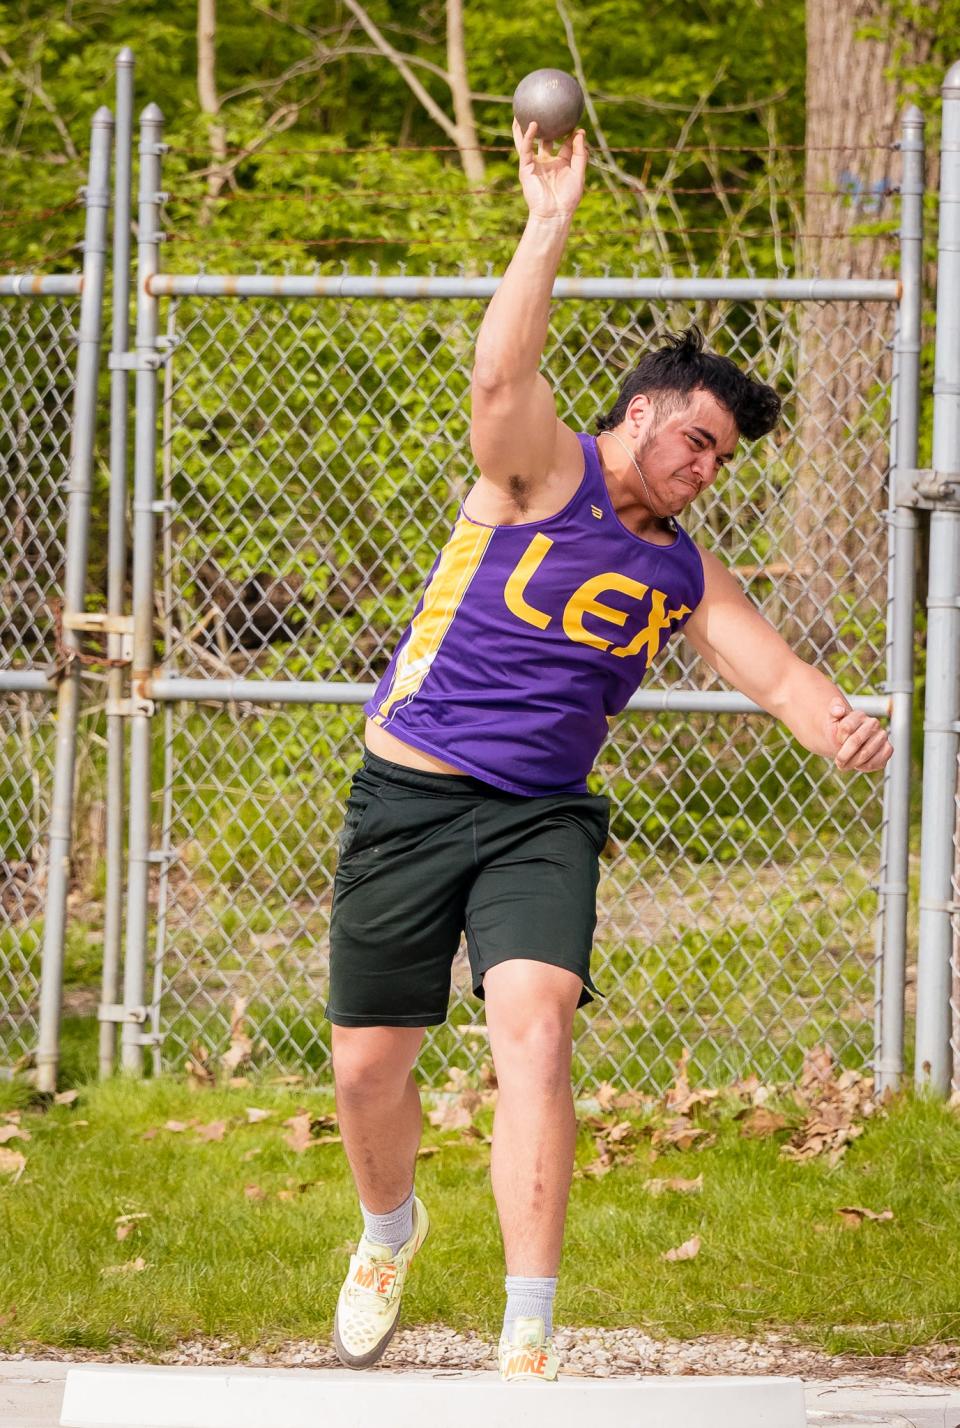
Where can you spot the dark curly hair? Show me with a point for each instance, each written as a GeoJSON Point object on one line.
{"type": "Point", "coordinates": [671, 373]}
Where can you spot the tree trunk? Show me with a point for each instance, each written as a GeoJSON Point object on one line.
{"type": "Point", "coordinates": [470, 155]}
{"type": "Point", "coordinates": [209, 99]}
{"type": "Point", "coordinates": [834, 538]}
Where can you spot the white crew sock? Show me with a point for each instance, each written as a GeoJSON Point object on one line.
{"type": "Point", "coordinates": [392, 1229]}
{"type": "Point", "coordinates": [529, 1298]}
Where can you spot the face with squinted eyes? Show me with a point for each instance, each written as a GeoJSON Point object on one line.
{"type": "Point", "coordinates": [680, 451]}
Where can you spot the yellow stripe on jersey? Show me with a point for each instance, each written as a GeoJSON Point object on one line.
{"type": "Point", "coordinates": [459, 563]}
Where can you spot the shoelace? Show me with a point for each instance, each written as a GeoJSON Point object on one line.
{"type": "Point", "coordinates": [367, 1280]}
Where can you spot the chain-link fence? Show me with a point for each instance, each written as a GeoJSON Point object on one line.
{"type": "Point", "coordinates": [313, 448]}
{"type": "Point", "coordinates": [38, 341]}
{"type": "Point", "coordinates": [314, 452]}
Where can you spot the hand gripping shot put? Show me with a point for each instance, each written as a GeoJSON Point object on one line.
{"type": "Point", "coordinates": [567, 571]}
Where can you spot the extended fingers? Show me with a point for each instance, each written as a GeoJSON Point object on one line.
{"type": "Point", "coordinates": [524, 139]}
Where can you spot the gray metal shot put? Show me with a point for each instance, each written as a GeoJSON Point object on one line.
{"type": "Point", "coordinates": [551, 97]}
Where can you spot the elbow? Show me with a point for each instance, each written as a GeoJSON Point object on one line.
{"type": "Point", "coordinates": [487, 378]}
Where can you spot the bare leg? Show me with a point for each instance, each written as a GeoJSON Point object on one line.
{"type": "Point", "coordinates": [378, 1106]}
{"type": "Point", "coordinates": [530, 1007]}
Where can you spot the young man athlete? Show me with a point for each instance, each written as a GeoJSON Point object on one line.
{"type": "Point", "coordinates": [566, 573]}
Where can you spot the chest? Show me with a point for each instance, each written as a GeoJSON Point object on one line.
{"type": "Point", "coordinates": [612, 599]}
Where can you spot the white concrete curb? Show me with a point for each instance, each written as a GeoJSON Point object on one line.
{"type": "Point", "coordinates": [120, 1396]}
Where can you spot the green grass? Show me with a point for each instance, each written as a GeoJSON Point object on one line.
{"type": "Point", "coordinates": [775, 1254]}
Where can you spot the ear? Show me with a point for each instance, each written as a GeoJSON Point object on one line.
{"type": "Point", "coordinates": [639, 414]}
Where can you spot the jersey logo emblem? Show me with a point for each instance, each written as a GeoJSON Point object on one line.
{"type": "Point", "coordinates": [596, 511]}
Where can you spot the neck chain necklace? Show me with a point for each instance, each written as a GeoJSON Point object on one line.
{"type": "Point", "coordinates": [622, 444]}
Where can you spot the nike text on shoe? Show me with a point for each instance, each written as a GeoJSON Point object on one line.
{"type": "Point", "coordinates": [529, 1356]}
{"type": "Point", "coordinates": [368, 1308]}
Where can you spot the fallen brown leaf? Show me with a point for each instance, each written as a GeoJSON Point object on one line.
{"type": "Point", "coordinates": [254, 1192]}
{"type": "Point", "coordinates": [427, 1150]}
{"type": "Point", "coordinates": [596, 1170]}
{"type": "Point", "coordinates": [13, 1132]}
{"type": "Point", "coordinates": [65, 1098]}
{"type": "Point", "coordinates": [132, 1266]}
{"type": "Point", "coordinates": [303, 1131]}
{"type": "Point", "coordinates": [249, 1154]}
{"type": "Point", "coordinates": [199, 1073]}
{"type": "Point", "coordinates": [451, 1114]}
{"type": "Point", "coordinates": [214, 1130]}
{"type": "Point", "coordinates": [678, 1185]}
{"type": "Point", "coordinates": [12, 1162]}
{"type": "Point", "coordinates": [177, 1126]}
{"type": "Point", "coordinates": [854, 1215]}
{"type": "Point", "coordinates": [688, 1250]}
{"type": "Point", "coordinates": [126, 1223]}
{"type": "Point", "coordinates": [255, 1114]}
{"type": "Point", "coordinates": [150, 1134]}
{"type": "Point", "coordinates": [682, 1136]}
{"type": "Point", "coordinates": [605, 1095]}
{"type": "Point", "coordinates": [680, 1098]}
{"type": "Point", "coordinates": [241, 1045]}
{"type": "Point", "coordinates": [13, 1116]}
{"type": "Point", "coordinates": [761, 1121]}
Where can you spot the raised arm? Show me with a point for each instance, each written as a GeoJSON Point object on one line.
{"type": "Point", "coordinates": [521, 448]}
{"type": "Point", "coordinates": [733, 637]}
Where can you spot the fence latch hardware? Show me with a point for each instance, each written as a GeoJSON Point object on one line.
{"type": "Point", "coordinates": [929, 490]}
{"type": "Point", "coordinates": [125, 708]}
{"type": "Point", "coordinates": [100, 622]}
{"type": "Point", "coordinates": [116, 1011]}
{"type": "Point", "coordinates": [136, 361]}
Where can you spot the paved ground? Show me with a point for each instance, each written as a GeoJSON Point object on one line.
{"type": "Point", "coordinates": [31, 1391]}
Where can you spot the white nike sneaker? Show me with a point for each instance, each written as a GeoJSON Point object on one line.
{"type": "Point", "coordinates": [528, 1355]}
{"type": "Point", "coordinates": [368, 1309]}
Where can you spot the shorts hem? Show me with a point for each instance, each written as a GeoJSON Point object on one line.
{"type": "Point", "coordinates": [588, 991]}
{"type": "Point", "coordinates": [423, 1019]}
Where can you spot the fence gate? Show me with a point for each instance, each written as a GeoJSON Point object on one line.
{"type": "Point", "coordinates": [301, 450]}
{"type": "Point", "coordinates": [49, 360]}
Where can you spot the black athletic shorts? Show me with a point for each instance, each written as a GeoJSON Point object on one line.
{"type": "Point", "coordinates": [425, 857]}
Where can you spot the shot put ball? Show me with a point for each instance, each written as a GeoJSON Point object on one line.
{"type": "Point", "coordinates": [551, 97]}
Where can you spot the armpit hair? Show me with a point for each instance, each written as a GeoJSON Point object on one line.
{"type": "Point", "coordinates": [519, 494]}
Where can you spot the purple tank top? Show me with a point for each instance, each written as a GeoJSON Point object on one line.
{"type": "Point", "coordinates": [527, 638]}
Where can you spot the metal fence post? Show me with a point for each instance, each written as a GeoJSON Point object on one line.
{"type": "Point", "coordinates": [97, 199]}
{"type": "Point", "coordinates": [941, 725]}
{"type": "Point", "coordinates": [141, 708]}
{"type": "Point", "coordinates": [902, 525]}
{"type": "Point", "coordinates": [116, 561]}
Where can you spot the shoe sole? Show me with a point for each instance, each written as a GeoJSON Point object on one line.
{"type": "Point", "coordinates": [367, 1360]}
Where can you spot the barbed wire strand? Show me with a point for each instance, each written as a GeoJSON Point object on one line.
{"type": "Point", "coordinates": [407, 240]}
{"type": "Point", "coordinates": [403, 149]}
{"type": "Point", "coordinates": [36, 215]}
{"type": "Point", "coordinates": [287, 195]}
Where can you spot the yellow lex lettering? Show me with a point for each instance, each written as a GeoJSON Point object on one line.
{"type": "Point", "coordinates": [585, 601]}
{"type": "Point", "coordinates": [523, 573]}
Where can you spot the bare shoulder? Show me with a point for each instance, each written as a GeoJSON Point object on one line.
{"type": "Point", "coordinates": [517, 496]}
{"type": "Point", "coordinates": [719, 580]}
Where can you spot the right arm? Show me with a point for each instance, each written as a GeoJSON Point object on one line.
{"type": "Point", "coordinates": [516, 438]}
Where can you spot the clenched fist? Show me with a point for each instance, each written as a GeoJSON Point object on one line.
{"type": "Point", "coordinates": [858, 739]}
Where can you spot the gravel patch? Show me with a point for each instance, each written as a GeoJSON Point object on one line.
{"type": "Point", "coordinates": [588, 1353]}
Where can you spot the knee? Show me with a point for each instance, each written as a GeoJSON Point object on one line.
{"type": "Point", "coordinates": [372, 1061]}
{"type": "Point", "coordinates": [535, 1049]}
